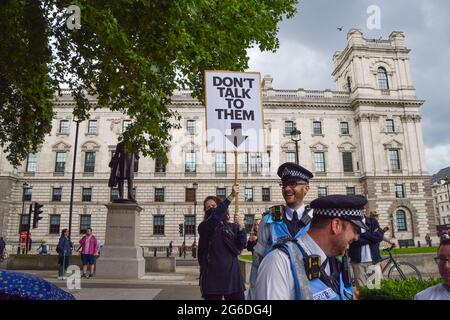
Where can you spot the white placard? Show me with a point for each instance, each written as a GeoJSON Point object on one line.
{"type": "Point", "coordinates": [234, 113]}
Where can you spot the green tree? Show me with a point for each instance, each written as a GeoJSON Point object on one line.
{"type": "Point", "coordinates": [130, 54]}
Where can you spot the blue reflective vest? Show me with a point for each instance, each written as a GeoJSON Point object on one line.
{"type": "Point", "coordinates": [318, 290]}
{"type": "Point", "coordinates": [279, 231]}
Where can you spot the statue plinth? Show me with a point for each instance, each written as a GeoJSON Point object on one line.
{"type": "Point", "coordinates": [121, 255]}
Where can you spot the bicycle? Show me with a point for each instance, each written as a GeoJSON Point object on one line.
{"type": "Point", "coordinates": [398, 270]}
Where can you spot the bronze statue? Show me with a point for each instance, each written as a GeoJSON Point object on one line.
{"type": "Point", "coordinates": [122, 167]}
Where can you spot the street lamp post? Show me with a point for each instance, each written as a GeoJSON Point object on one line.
{"type": "Point", "coordinates": [194, 249]}
{"type": "Point", "coordinates": [73, 177]}
{"type": "Point", "coordinates": [296, 137]}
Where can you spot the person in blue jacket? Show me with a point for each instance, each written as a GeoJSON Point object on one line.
{"type": "Point", "coordinates": [64, 250]}
{"type": "Point", "coordinates": [220, 244]}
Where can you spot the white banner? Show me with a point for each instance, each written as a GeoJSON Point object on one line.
{"type": "Point", "coordinates": [234, 114]}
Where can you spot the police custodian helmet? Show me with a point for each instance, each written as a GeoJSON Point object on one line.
{"type": "Point", "coordinates": [293, 172]}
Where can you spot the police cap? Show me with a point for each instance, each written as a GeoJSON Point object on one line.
{"type": "Point", "coordinates": [293, 172]}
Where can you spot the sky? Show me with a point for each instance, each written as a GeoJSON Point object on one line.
{"type": "Point", "coordinates": [309, 40]}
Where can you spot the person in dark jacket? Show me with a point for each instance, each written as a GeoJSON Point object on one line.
{"type": "Point", "coordinates": [220, 244]}
{"type": "Point", "coordinates": [64, 250]}
{"type": "Point", "coordinates": [253, 238]}
{"type": "Point", "coordinates": [365, 252]}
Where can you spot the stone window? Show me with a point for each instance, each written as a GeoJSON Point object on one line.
{"type": "Point", "coordinates": [221, 193]}
{"type": "Point", "coordinates": [394, 160]}
{"type": "Point", "coordinates": [401, 220]}
{"type": "Point", "coordinates": [114, 193]}
{"type": "Point", "coordinates": [248, 195]}
{"type": "Point", "coordinates": [64, 126]}
{"type": "Point", "coordinates": [27, 193]}
{"type": "Point", "coordinates": [317, 127]}
{"type": "Point", "coordinates": [190, 165]}
{"type": "Point", "coordinates": [89, 161]}
{"type": "Point", "coordinates": [322, 191]}
{"type": "Point", "coordinates": [288, 127]}
{"type": "Point", "coordinates": [31, 162]}
{"type": "Point", "coordinates": [319, 161]}
{"type": "Point", "coordinates": [290, 157]}
{"type": "Point", "coordinates": [125, 125]}
{"type": "Point", "coordinates": [85, 222]}
{"type": "Point", "coordinates": [190, 194]}
{"type": "Point", "coordinates": [92, 126]}
{"type": "Point", "coordinates": [60, 165]}
{"type": "Point", "coordinates": [56, 194]}
{"type": "Point", "coordinates": [55, 222]}
{"type": "Point", "coordinates": [190, 126]}
{"type": "Point", "coordinates": [221, 162]}
{"type": "Point", "coordinates": [383, 82]}
{"type": "Point", "coordinates": [23, 222]}
{"type": "Point", "coordinates": [344, 128]}
{"type": "Point", "coordinates": [350, 191]}
{"type": "Point", "coordinates": [265, 194]}
{"type": "Point", "coordinates": [189, 224]}
{"type": "Point", "coordinates": [159, 194]}
{"type": "Point", "coordinates": [399, 191]}
{"type": "Point", "coordinates": [87, 195]}
{"type": "Point", "coordinates": [347, 161]}
{"type": "Point", "coordinates": [158, 225]}
{"type": "Point", "coordinates": [390, 126]}
{"type": "Point", "coordinates": [159, 165]}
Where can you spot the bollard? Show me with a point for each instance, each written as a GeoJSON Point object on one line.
{"type": "Point", "coordinates": [418, 243]}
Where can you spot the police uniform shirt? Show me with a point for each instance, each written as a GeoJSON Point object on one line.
{"type": "Point", "coordinates": [366, 256]}
{"type": "Point", "coordinates": [264, 230]}
{"type": "Point", "coordinates": [275, 280]}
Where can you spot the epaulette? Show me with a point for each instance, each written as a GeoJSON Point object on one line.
{"type": "Point", "coordinates": [277, 212]}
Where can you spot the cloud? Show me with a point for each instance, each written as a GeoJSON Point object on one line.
{"type": "Point", "coordinates": [438, 157]}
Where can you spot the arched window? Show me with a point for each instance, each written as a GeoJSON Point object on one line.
{"type": "Point", "coordinates": [383, 79]}
{"type": "Point", "coordinates": [401, 220]}
{"type": "Point", "coordinates": [349, 84]}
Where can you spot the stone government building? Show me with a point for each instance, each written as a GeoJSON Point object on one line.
{"type": "Point", "coordinates": [365, 138]}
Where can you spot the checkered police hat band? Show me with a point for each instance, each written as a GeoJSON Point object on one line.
{"type": "Point", "coordinates": [357, 213]}
{"type": "Point", "coordinates": [294, 174]}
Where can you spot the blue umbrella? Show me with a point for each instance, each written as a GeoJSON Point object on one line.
{"type": "Point", "coordinates": [24, 286]}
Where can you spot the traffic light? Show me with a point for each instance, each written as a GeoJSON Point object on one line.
{"type": "Point", "coordinates": [180, 229]}
{"type": "Point", "coordinates": [37, 212]}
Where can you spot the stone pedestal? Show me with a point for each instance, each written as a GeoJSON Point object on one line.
{"type": "Point", "coordinates": [121, 256]}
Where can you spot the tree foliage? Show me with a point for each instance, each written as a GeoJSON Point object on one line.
{"type": "Point", "coordinates": [130, 54]}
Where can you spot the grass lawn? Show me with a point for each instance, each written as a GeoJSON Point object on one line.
{"type": "Point", "coordinates": [411, 250]}
{"type": "Point", "coordinates": [246, 257]}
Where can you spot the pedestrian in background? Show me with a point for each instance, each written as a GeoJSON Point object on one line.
{"type": "Point", "coordinates": [253, 238]}
{"type": "Point", "coordinates": [170, 248]}
{"type": "Point", "coordinates": [2, 247]}
{"type": "Point", "coordinates": [220, 244]}
{"type": "Point", "coordinates": [428, 239]}
{"type": "Point", "coordinates": [64, 249]}
{"type": "Point", "coordinates": [43, 247]}
{"type": "Point", "coordinates": [89, 248]}
{"type": "Point", "coordinates": [364, 253]}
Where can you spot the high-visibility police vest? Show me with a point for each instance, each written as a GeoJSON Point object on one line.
{"type": "Point", "coordinates": [314, 289]}
{"type": "Point", "coordinates": [279, 230]}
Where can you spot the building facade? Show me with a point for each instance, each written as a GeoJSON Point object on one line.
{"type": "Point", "coordinates": [364, 138]}
{"type": "Point", "coordinates": [441, 196]}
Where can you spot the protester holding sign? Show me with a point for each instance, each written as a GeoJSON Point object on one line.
{"type": "Point", "coordinates": [220, 244]}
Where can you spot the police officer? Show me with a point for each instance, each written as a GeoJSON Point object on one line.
{"type": "Point", "coordinates": [308, 268]}
{"type": "Point", "coordinates": [284, 221]}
